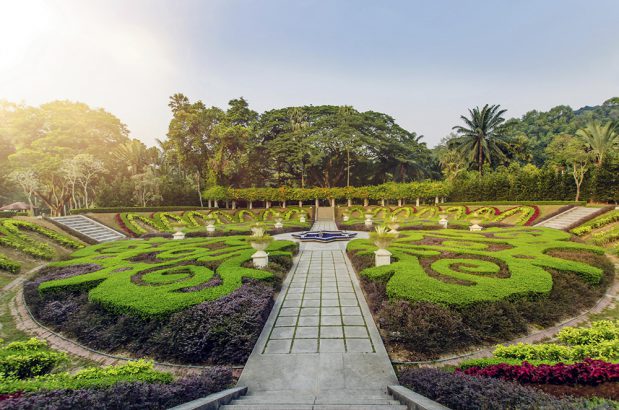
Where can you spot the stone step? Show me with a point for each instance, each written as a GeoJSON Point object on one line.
{"type": "Point", "coordinates": [294, 406]}
{"type": "Point", "coordinates": [89, 228]}
{"type": "Point", "coordinates": [246, 400]}
{"type": "Point", "coordinates": [567, 218]}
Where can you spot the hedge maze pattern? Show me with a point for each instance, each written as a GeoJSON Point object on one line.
{"type": "Point", "coordinates": [12, 236]}
{"type": "Point", "coordinates": [525, 214]}
{"type": "Point", "coordinates": [158, 276]}
{"type": "Point", "coordinates": [162, 221]}
{"type": "Point", "coordinates": [458, 268]}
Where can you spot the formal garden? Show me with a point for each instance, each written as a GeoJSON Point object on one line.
{"type": "Point", "coordinates": [480, 299]}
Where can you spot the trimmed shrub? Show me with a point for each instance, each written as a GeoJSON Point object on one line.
{"type": "Point", "coordinates": [22, 360]}
{"type": "Point", "coordinates": [127, 395]}
{"type": "Point", "coordinates": [462, 392]}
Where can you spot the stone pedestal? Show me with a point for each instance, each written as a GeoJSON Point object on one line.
{"type": "Point", "coordinates": [475, 228]}
{"type": "Point", "coordinates": [260, 259]}
{"type": "Point", "coordinates": [443, 222]}
{"type": "Point", "coordinates": [210, 228]}
{"type": "Point", "coordinates": [382, 257]}
{"type": "Point", "coordinates": [368, 221]}
{"type": "Point", "coordinates": [302, 219]}
{"type": "Point", "coordinates": [178, 235]}
{"type": "Point", "coordinates": [345, 218]}
{"type": "Point", "coordinates": [279, 225]}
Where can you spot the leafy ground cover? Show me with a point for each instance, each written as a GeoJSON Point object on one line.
{"type": "Point", "coordinates": [226, 221]}
{"type": "Point", "coordinates": [192, 301]}
{"type": "Point", "coordinates": [450, 289]}
{"type": "Point", "coordinates": [16, 236]}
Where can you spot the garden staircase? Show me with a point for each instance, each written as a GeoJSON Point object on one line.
{"type": "Point", "coordinates": [568, 218]}
{"type": "Point", "coordinates": [89, 228]}
{"type": "Point", "coordinates": [325, 213]}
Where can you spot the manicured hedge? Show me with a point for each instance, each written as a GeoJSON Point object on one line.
{"type": "Point", "coordinates": [111, 210]}
{"type": "Point", "coordinates": [596, 223]}
{"type": "Point", "coordinates": [127, 395]}
{"type": "Point", "coordinates": [92, 377]}
{"type": "Point", "coordinates": [463, 392]}
{"type": "Point", "coordinates": [159, 276]}
{"type": "Point", "coordinates": [162, 221]}
{"type": "Point", "coordinates": [22, 360]}
{"type": "Point", "coordinates": [474, 264]}
{"type": "Point", "coordinates": [11, 236]}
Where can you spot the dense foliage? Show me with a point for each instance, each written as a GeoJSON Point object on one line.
{"type": "Point", "coordinates": [426, 308]}
{"type": "Point", "coordinates": [12, 236]}
{"type": "Point", "coordinates": [460, 268]}
{"type": "Point", "coordinates": [462, 392]}
{"type": "Point", "coordinates": [91, 377]}
{"type": "Point", "coordinates": [123, 395]}
{"type": "Point", "coordinates": [159, 276]}
{"type": "Point", "coordinates": [23, 360]}
{"type": "Point", "coordinates": [191, 301]}
{"type": "Point", "coordinates": [592, 372]}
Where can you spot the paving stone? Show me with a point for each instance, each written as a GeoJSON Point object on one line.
{"type": "Point", "coordinates": [305, 346]}
{"type": "Point", "coordinates": [291, 303]}
{"type": "Point", "coordinates": [349, 310]}
{"type": "Point", "coordinates": [331, 320]}
{"type": "Point", "coordinates": [359, 346]}
{"type": "Point", "coordinates": [353, 320]}
{"type": "Point", "coordinates": [327, 311]}
{"type": "Point", "coordinates": [331, 331]}
{"type": "Point", "coordinates": [312, 295]}
{"type": "Point", "coordinates": [349, 302]}
{"type": "Point", "coordinates": [330, 295]}
{"type": "Point", "coordinates": [330, 303]}
{"type": "Point", "coordinates": [310, 311]}
{"type": "Point", "coordinates": [289, 312]}
{"type": "Point", "coordinates": [308, 321]}
{"type": "Point", "coordinates": [286, 321]}
{"type": "Point", "coordinates": [278, 346]}
{"type": "Point", "coordinates": [332, 346]}
{"type": "Point", "coordinates": [282, 332]}
{"type": "Point", "coordinates": [306, 332]}
{"type": "Point", "coordinates": [311, 303]}
{"type": "Point", "coordinates": [355, 331]}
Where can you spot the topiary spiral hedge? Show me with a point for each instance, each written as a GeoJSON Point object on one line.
{"type": "Point", "coordinates": [132, 223]}
{"type": "Point", "coordinates": [160, 276]}
{"type": "Point", "coordinates": [12, 236]}
{"type": "Point", "coordinates": [449, 289]}
{"type": "Point", "coordinates": [193, 301]}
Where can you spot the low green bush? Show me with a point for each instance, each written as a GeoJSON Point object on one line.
{"type": "Point", "coordinates": [9, 265]}
{"type": "Point", "coordinates": [599, 222]}
{"type": "Point", "coordinates": [600, 342]}
{"type": "Point", "coordinates": [94, 377]}
{"type": "Point", "coordinates": [460, 268]}
{"type": "Point", "coordinates": [159, 276]}
{"type": "Point", "coordinates": [22, 360]}
{"type": "Point", "coordinates": [606, 237]}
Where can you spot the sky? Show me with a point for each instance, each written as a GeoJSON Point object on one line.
{"type": "Point", "coordinates": [422, 62]}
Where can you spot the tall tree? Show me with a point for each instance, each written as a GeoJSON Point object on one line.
{"type": "Point", "coordinates": [567, 151]}
{"type": "Point", "coordinates": [601, 139]}
{"type": "Point", "coordinates": [482, 138]}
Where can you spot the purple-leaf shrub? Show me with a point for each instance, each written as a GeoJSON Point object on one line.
{"type": "Point", "coordinates": [590, 372]}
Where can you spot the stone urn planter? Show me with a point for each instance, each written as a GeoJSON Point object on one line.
{"type": "Point", "coordinates": [278, 223]}
{"type": "Point", "coordinates": [260, 240]}
{"type": "Point", "coordinates": [368, 220]}
{"type": "Point", "coordinates": [382, 239]}
{"type": "Point", "coordinates": [303, 217]}
{"type": "Point", "coordinates": [393, 225]}
{"type": "Point", "coordinates": [443, 221]}
{"type": "Point", "coordinates": [475, 227]}
{"type": "Point", "coordinates": [210, 225]}
{"type": "Point", "coordinates": [178, 235]}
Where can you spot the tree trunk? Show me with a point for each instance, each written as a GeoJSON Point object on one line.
{"type": "Point", "coordinates": [284, 204]}
{"type": "Point", "coordinates": [233, 204]}
{"type": "Point", "coordinates": [209, 203]}
{"type": "Point", "coordinates": [366, 202]}
{"type": "Point", "coordinates": [436, 199]}
{"type": "Point", "coordinates": [382, 202]}
{"type": "Point", "coordinates": [480, 159]}
{"type": "Point", "coordinates": [216, 203]}
{"type": "Point", "coordinates": [251, 204]}
{"type": "Point", "coordinates": [400, 202]}
{"type": "Point", "coordinates": [332, 202]}
{"type": "Point", "coordinates": [349, 202]}
{"type": "Point", "coordinates": [268, 204]}
{"type": "Point", "coordinates": [200, 191]}
{"type": "Point", "coordinates": [316, 204]}
{"type": "Point", "coordinates": [417, 202]}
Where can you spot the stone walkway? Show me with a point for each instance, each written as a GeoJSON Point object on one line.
{"type": "Point", "coordinates": [320, 340]}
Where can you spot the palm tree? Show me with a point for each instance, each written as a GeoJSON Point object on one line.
{"type": "Point", "coordinates": [482, 137]}
{"type": "Point", "coordinates": [600, 138]}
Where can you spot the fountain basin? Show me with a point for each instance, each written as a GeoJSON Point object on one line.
{"type": "Point", "coordinates": [324, 236]}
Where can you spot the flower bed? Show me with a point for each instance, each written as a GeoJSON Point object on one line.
{"type": "Point", "coordinates": [11, 236]}
{"type": "Point", "coordinates": [446, 290]}
{"type": "Point", "coordinates": [191, 301]}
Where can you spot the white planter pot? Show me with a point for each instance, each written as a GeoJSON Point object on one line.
{"type": "Point", "coordinates": [443, 222]}
{"type": "Point", "coordinates": [178, 235]}
{"type": "Point", "coordinates": [368, 220]}
{"type": "Point", "coordinates": [475, 228]}
{"type": "Point", "coordinates": [302, 219]}
{"type": "Point", "coordinates": [210, 228]}
{"type": "Point", "coordinates": [259, 246]}
{"type": "Point", "coordinates": [260, 259]}
{"type": "Point", "coordinates": [345, 218]}
{"type": "Point", "coordinates": [382, 257]}
{"type": "Point", "coordinates": [279, 225]}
